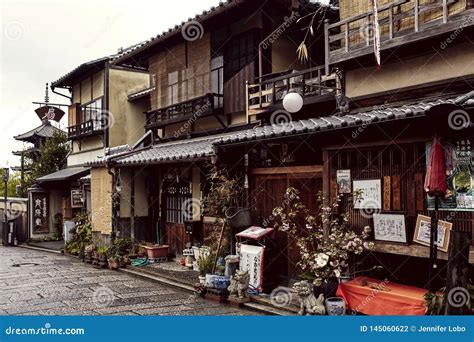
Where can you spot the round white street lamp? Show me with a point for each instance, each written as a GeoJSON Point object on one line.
{"type": "Point", "coordinates": [293, 102]}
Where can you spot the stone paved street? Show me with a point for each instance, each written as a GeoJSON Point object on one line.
{"type": "Point", "coordinates": [60, 285]}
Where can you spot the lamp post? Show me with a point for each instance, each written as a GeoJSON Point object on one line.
{"type": "Point", "coordinates": [6, 175]}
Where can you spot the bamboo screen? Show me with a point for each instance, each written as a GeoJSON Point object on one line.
{"type": "Point", "coordinates": [403, 16]}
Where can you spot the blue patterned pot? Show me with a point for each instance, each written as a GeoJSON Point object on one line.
{"type": "Point", "coordinates": [335, 306]}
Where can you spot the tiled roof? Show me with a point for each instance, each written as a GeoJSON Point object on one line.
{"type": "Point", "coordinates": [188, 149]}
{"type": "Point", "coordinates": [112, 152]}
{"type": "Point", "coordinates": [333, 122]}
{"type": "Point", "coordinates": [96, 63]}
{"type": "Point", "coordinates": [46, 130]}
{"type": "Point", "coordinates": [128, 52]}
{"type": "Point", "coordinates": [84, 67]}
{"type": "Point", "coordinates": [139, 94]}
{"type": "Point", "coordinates": [71, 173]}
{"type": "Point", "coordinates": [203, 147]}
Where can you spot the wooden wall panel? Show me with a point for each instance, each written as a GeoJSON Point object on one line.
{"type": "Point", "coordinates": [234, 89]}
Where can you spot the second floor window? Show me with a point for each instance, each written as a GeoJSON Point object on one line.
{"type": "Point", "coordinates": [217, 79]}
{"type": "Point", "coordinates": [93, 111]}
{"type": "Point", "coordinates": [173, 88]}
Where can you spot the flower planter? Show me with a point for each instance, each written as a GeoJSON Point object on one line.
{"type": "Point", "coordinates": [335, 306]}
{"type": "Point", "coordinates": [221, 283]}
{"type": "Point", "coordinates": [202, 280]}
{"type": "Point", "coordinates": [238, 217]}
{"type": "Point", "coordinates": [114, 264]}
{"type": "Point", "coordinates": [155, 252]}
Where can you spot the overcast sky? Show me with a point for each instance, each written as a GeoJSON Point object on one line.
{"type": "Point", "coordinates": [41, 40]}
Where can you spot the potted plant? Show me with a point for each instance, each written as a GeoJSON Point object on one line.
{"type": "Point", "coordinates": [141, 252]}
{"type": "Point", "coordinates": [155, 251]}
{"type": "Point", "coordinates": [115, 261]}
{"type": "Point", "coordinates": [102, 255]}
{"type": "Point", "coordinates": [205, 263]}
{"type": "Point", "coordinates": [225, 199]}
{"type": "Point", "coordinates": [325, 239]}
{"type": "Point", "coordinates": [88, 250]}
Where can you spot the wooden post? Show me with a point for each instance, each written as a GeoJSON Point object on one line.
{"type": "Point", "coordinates": [457, 272]}
{"type": "Point", "coordinates": [346, 36]}
{"type": "Point", "coordinates": [417, 15]}
{"type": "Point", "coordinates": [326, 46]}
{"type": "Point", "coordinates": [445, 11]}
{"type": "Point", "coordinates": [219, 247]}
{"type": "Point", "coordinates": [390, 22]}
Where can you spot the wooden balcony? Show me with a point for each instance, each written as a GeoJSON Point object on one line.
{"type": "Point", "coordinates": [401, 22]}
{"type": "Point", "coordinates": [313, 84]}
{"type": "Point", "coordinates": [209, 104]}
{"type": "Point", "coordinates": [84, 129]}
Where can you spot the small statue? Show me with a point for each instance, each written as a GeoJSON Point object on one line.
{"type": "Point", "coordinates": [308, 302]}
{"type": "Point", "coordinates": [239, 284]}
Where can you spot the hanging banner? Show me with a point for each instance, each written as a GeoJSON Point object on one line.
{"type": "Point", "coordinates": [376, 32]}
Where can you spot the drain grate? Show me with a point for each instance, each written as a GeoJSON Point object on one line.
{"type": "Point", "coordinates": [25, 264]}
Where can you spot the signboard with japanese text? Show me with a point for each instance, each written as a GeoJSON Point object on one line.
{"type": "Point", "coordinates": [40, 212]}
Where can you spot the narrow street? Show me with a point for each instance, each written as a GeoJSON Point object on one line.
{"type": "Point", "coordinates": [41, 283]}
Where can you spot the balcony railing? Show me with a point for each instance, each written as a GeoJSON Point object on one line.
{"type": "Point", "coordinates": [195, 108]}
{"type": "Point", "coordinates": [312, 84]}
{"type": "Point", "coordinates": [400, 22]}
{"type": "Point", "coordinates": [86, 128]}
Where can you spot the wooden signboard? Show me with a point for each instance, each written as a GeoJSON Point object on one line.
{"type": "Point", "coordinates": [419, 192]}
{"type": "Point", "coordinates": [411, 208]}
{"type": "Point", "coordinates": [76, 198]}
{"type": "Point", "coordinates": [396, 193]}
{"type": "Point", "coordinates": [387, 193]}
{"type": "Point", "coordinates": [50, 113]}
{"type": "Point", "coordinates": [40, 212]}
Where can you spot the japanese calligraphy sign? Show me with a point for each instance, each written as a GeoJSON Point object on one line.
{"type": "Point", "coordinates": [40, 208]}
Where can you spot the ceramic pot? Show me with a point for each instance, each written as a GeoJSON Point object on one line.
{"type": "Point", "coordinates": [155, 252]}
{"type": "Point", "coordinates": [335, 306]}
{"type": "Point", "coordinates": [202, 280]}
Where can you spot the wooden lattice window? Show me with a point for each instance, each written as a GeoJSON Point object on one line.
{"type": "Point", "coordinates": [177, 195]}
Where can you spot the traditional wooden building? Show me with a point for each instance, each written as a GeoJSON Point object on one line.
{"type": "Point", "coordinates": [218, 97]}
{"type": "Point", "coordinates": [381, 131]}
{"type": "Point", "coordinates": [199, 96]}
{"type": "Point", "coordinates": [101, 122]}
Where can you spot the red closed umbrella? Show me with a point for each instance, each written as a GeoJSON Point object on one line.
{"type": "Point", "coordinates": [435, 185]}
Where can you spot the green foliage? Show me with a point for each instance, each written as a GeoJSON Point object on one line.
{"type": "Point", "coordinates": [120, 248]}
{"type": "Point", "coordinates": [58, 226]}
{"type": "Point", "coordinates": [13, 181]}
{"type": "Point", "coordinates": [53, 157]}
{"type": "Point", "coordinates": [81, 234]}
{"type": "Point", "coordinates": [103, 250]}
{"type": "Point", "coordinates": [224, 192]}
{"type": "Point", "coordinates": [205, 262]}
{"type": "Point", "coordinates": [435, 302]}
